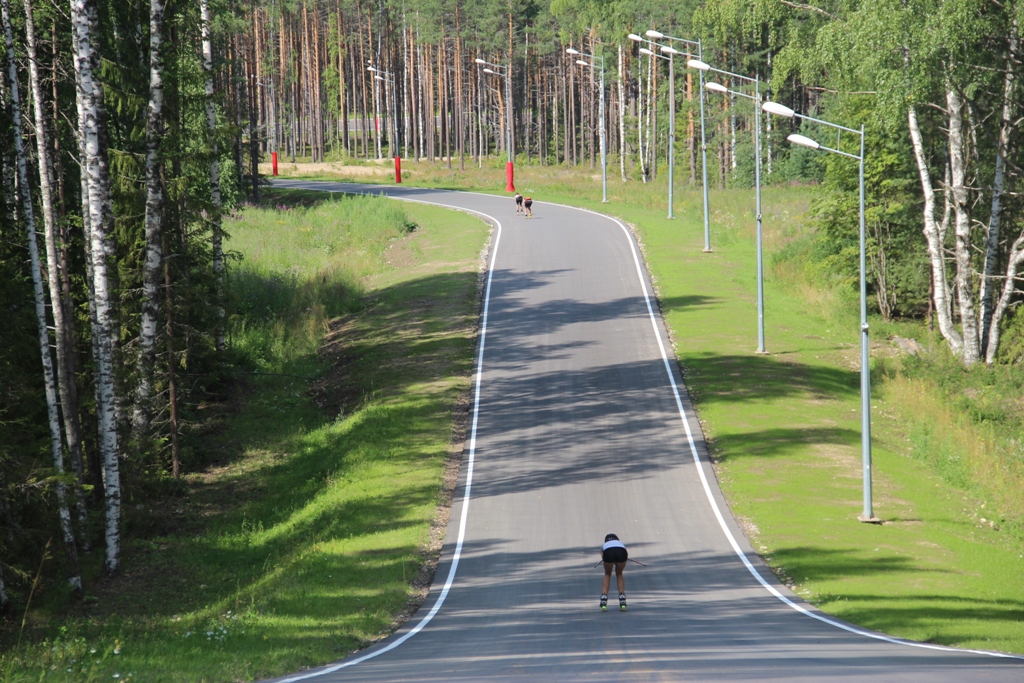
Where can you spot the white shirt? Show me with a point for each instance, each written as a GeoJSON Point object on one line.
{"type": "Point", "coordinates": [612, 544]}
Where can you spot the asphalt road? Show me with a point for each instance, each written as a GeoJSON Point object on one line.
{"type": "Point", "coordinates": [581, 426]}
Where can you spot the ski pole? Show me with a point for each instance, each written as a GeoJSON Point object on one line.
{"type": "Point", "coordinates": [630, 559]}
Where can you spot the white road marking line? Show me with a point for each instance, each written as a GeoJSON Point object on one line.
{"type": "Point", "coordinates": [693, 451]}
{"type": "Point", "coordinates": [469, 473]}
{"type": "Point", "coordinates": [718, 512]}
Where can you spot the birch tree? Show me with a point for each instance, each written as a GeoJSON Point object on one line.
{"type": "Point", "coordinates": [151, 271]}
{"type": "Point", "coordinates": [61, 306]}
{"type": "Point", "coordinates": [28, 216]}
{"type": "Point", "coordinates": [85, 28]}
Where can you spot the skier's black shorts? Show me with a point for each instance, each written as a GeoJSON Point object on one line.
{"type": "Point", "coordinates": [615, 554]}
{"type": "Point", "coordinates": [529, 203]}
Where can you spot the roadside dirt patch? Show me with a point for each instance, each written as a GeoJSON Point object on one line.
{"type": "Point", "coordinates": [287, 169]}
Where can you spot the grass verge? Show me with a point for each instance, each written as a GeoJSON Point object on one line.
{"type": "Point", "coordinates": [314, 525]}
{"type": "Point", "coordinates": [785, 428]}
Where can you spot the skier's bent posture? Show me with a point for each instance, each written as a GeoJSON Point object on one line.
{"type": "Point", "coordinates": [614, 554]}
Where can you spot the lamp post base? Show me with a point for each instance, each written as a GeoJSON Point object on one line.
{"type": "Point", "coordinates": [707, 251]}
{"type": "Point", "coordinates": [868, 520]}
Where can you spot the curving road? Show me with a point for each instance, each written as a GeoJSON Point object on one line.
{"type": "Point", "coordinates": [581, 426]}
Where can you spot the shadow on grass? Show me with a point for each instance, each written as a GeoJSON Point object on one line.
{"type": "Point", "coordinates": [779, 441]}
{"type": "Point", "coordinates": [673, 304]}
{"type": "Point", "coordinates": [827, 564]}
{"type": "Point", "coordinates": [732, 378]}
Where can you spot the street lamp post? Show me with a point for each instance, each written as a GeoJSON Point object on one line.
{"type": "Point", "coordinates": [868, 514]}
{"type": "Point", "coordinates": [756, 97]}
{"type": "Point", "coordinates": [387, 77]}
{"type": "Point", "coordinates": [604, 158]}
{"type": "Point", "coordinates": [671, 52]}
{"type": "Point", "coordinates": [658, 35]}
{"type": "Point", "coordinates": [505, 70]}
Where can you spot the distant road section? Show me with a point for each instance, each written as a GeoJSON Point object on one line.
{"type": "Point", "coordinates": [581, 427]}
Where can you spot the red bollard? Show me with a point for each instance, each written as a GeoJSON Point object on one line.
{"type": "Point", "coordinates": [273, 160]}
{"type": "Point", "coordinates": [510, 186]}
{"type": "Point", "coordinates": [398, 169]}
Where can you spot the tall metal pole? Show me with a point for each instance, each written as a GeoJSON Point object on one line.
{"type": "Point", "coordinates": [704, 154]}
{"type": "Point", "coordinates": [508, 111]}
{"type": "Point", "coordinates": [658, 35]}
{"type": "Point", "coordinates": [394, 115]}
{"type": "Point", "coordinates": [671, 130]}
{"type": "Point", "coordinates": [865, 369]}
{"type": "Point", "coordinates": [868, 514]}
{"type": "Point", "coordinates": [757, 182]}
{"type": "Point", "coordinates": [756, 97]}
{"type": "Point", "coordinates": [509, 171]}
{"type": "Point", "coordinates": [604, 144]}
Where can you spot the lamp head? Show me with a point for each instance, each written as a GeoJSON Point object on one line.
{"type": "Point", "coordinates": [378, 78]}
{"type": "Point", "coordinates": [655, 34]}
{"type": "Point", "coordinates": [645, 51]}
{"type": "Point", "coordinates": [479, 61]}
{"type": "Point", "coordinates": [716, 87]}
{"type": "Point", "coordinates": [697, 64]}
{"type": "Point", "coordinates": [668, 49]}
{"type": "Point", "coordinates": [778, 109]}
{"type": "Point", "coordinates": [370, 68]}
{"type": "Point", "coordinates": [635, 38]}
{"type": "Point", "coordinates": [803, 141]}
{"type": "Point", "coordinates": [572, 51]}
{"type": "Point", "coordinates": [582, 63]}
{"type": "Point", "coordinates": [490, 71]}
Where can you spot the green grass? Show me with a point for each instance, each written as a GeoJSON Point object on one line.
{"type": "Point", "coordinates": [310, 532]}
{"type": "Point", "coordinates": [785, 428]}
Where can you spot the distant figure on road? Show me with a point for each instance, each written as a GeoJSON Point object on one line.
{"type": "Point", "coordinates": [519, 204]}
{"type": "Point", "coordinates": [528, 203]}
{"type": "Point", "coordinates": [614, 554]}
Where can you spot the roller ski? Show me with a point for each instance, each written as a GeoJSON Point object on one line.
{"type": "Point", "coordinates": [622, 601]}
{"type": "Point", "coordinates": [604, 603]}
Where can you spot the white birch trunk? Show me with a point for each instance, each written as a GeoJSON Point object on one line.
{"type": "Point", "coordinates": [935, 237]}
{"type": "Point", "coordinates": [49, 384]}
{"type": "Point", "coordinates": [6, 164]}
{"type": "Point", "coordinates": [988, 282]}
{"type": "Point", "coordinates": [84, 24]}
{"type": "Point", "coordinates": [211, 130]}
{"type": "Point", "coordinates": [962, 229]}
{"type": "Point", "coordinates": [60, 308]}
{"type": "Point", "coordinates": [1003, 304]}
{"type": "Point", "coordinates": [154, 226]}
